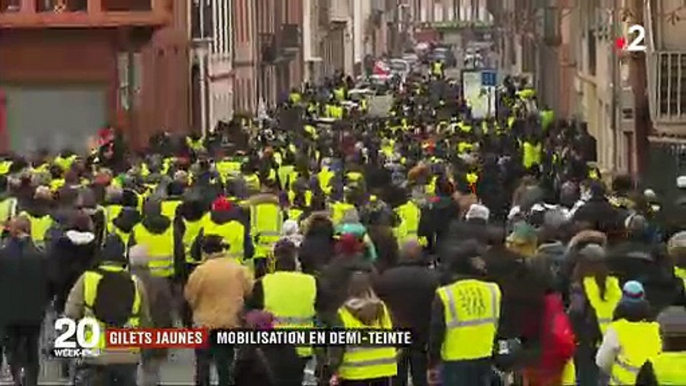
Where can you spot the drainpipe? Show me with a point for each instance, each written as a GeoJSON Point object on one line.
{"type": "Point", "coordinates": [615, 86]}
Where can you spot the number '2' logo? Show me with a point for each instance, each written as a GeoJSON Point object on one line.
{"type": "Point", "coordinates": [637, 43]}
{"type": "Point", "coordinates": [69, 328]}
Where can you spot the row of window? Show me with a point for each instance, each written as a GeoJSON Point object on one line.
{"type": "Point", "coordinates": [59, 6]}
{"type": "Point", "coordinates": [244, 95]}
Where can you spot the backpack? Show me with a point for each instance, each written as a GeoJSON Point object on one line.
{"type": "Point", "coordinates": [115, 296]}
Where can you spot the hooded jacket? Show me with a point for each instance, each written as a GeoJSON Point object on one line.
{"type": "Point", "coordinates": [71, 254]}
{"type": "Point", "coordinates": [368, 310]}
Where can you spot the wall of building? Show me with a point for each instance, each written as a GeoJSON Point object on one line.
{"type": "Point", "coordinates": [220, 66]}
{"type": "Point", "coordinates": [90, 56]}
{"type": "Point", "coordinates": [245, 55]}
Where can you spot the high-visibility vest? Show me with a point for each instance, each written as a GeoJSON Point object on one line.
{"type": "Point", "coordinates": [338, 211]}
{"type": "Point", "coordinates": [410, 215]}
{"type": "Point", "coordinates": [226, 168]}
{"type": "Point", "coordinates": [265, 223]}
{"type": "Point", "coordinates": [252, 181]}
{"type": "Point", "coordinates": [191, 231]}
{"type": "Point", "coordinates": [604, 309]}
{"type": "Point", "coordinates": [324, 178]}
{"type": "Point", "coordinates": [360, 363]}
{"type": "Point", "coordinates": [471, 310]}
{"type": "Point", "coordinates": [111, 213]}
{"type": "Point", "coordinates": [233, 233]}
{"type": "Point", "coordinates": [354, 176]}
{"type": "Point", "coordinates": [670, 368]}
{"type": "Point", "coordinates": [287, 175]}
{"type": "Point", "coordinates": [8, 208]}
{"type": "Point", "coordinates": [5, 167]}
{"type": "Point", "coordinates": [532, 154]}
{"type": "Point", "coordinates": [90, 292]}
{"type": "Point", "coordinates": [430, 188]}
{"type": "Point", "coordinates": [638, 342]}
{"type": "Point", "coordinates": [160, 248]}
{"type": "Point", "coordinates": [681, 274]}
{"type": "Point", "coordinates": [295, 214]}
{"type": "Point", "coordinates": [169, 208]}
{"type": "Point", "coordinates": [39, 227]}
{"type": "Point", "coordinates": [308, 197]}
{"type": "Point", "coordinates": [290, 297]}
{"type": "Point", "coordinates": [125, 237]}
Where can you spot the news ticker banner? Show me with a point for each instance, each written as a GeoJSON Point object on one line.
{"type": "Point", "coordinates": [82, 338]}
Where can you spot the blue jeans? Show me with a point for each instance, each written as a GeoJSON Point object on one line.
{"type": "Point", "coordinates": [475, 372]}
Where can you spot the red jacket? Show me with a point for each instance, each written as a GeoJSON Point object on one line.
{"type": "Point", "coordinates": [557, 343]}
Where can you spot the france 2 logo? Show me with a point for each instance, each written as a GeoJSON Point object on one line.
{"type": "Point", "coordinates": [636, 41]}
{"type": "Point", "coordinates": [84, 345]}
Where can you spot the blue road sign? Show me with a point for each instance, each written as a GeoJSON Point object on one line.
{"type": "Point", "coordinates": [489, 79]}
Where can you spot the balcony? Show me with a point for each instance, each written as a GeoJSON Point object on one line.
{"type": "Point", "coordinates": [83, 13]}
{"type": "Point", "coordinates": [668, 86]}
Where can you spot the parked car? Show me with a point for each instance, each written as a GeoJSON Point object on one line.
{"type": "Point", "coordinates": [400, 68]}
{"type": "Point", "coordinates": [445, 55]}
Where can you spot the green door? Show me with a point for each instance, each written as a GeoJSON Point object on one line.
{"type": "Point", "coordinates": [54, 117]}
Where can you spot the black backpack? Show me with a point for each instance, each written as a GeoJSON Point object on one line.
{"type": "Point", "coordinates": [115, 296]}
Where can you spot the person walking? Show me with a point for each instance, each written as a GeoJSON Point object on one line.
{"type": "Point", "coordinates": [160, 302]}
{"type": "Point", "coordinates": [408, 290]}
{"type": "Point", "coordinates": [22, 316]}
{"type": "Point", "coordinates": [630, 339]}
{"type": "Point", "coordinates": [363, 366]}
{"type": "Point", "coordinates": [114, 298]}
{"type": "Point", "coordinates": [216, 292]}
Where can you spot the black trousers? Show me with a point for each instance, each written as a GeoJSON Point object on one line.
{"type": "Point", "coordinates": [416, 361]}
{"type": "Point", "coordinates": [23, 343]}
{"type": "Point", "coordinates": [220, 355]}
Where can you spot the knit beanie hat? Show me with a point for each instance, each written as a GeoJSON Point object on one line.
{"type": "Point", "coordinates": [221, 204]}
{"type": "Point", "coordinates": [633, 292]}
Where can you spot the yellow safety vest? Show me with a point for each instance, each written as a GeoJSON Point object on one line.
{"type": "Point", "coordinates": [125, 237]}
{"type": "Point", "coordinates": [39, 227]}
{"type": "Point", "coordinates": [290, 297]}
{"type": "Point", "coordinates": [169, 208]}
{"type": "Point", "coordinates": [252, 181]}
{"type": "Point", "coordinates": [638, 342]}
{"type": "Point", "coordinates": [287, 175]}
{"type": "Point", "coordinates": [471, 309]}
{"type": "Point", "coordinates": [90, 292]}
{"type": "Point", "coordinates": [226, 168]}
{"type": "Point", "coordinates": [360, 363]}
{"type": "Point", "coordinates": [670, 368]}
{"type": "Point", "coordinates": [160, 249]}
{"type": "Point", "coordinates": [338, 211]}
{"type": "Point", "coordinates": [111, 213]}
{"type": "Point", "coordinates": [295, 214]}
{"type": "Point", "coordinates": [681, 274]}
{"type": "Point", "coordinates": [604, 309]}
{"type": "Point", "coordinates": [8, 207]}
{"type": "Point", "coordinates": [191, 231]}
{"type": "Point", "coordinates": [233, 233]}
{"type": "Point", "coordinates": [410, 214]}
{"type": "Point", "coordinates": [5, 167]}
{"type": "Point", "coordinates": [266, 221]}
{"type": "Point", "coordinates": [532, 155]}
{"type": "Point", "coordinates": [308, 197]}
{"type": "Point", "coordinates": [354, 176]}
{"type": "Point", "coordinates": [325, 177]}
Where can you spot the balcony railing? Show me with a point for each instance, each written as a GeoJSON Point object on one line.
{"type": "Point", "coordinates": [82, 13]}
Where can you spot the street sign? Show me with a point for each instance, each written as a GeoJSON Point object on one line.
{"type": "Point", "coordinates": [489, 79]}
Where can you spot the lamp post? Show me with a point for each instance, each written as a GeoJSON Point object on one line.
{"type": "Point", "coordinates": [201, 47]}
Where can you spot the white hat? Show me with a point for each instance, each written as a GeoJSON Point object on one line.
{"type": "Point", "coordinates": [478, 211]}
{"type": "Point", "coordinates": [681, 182]}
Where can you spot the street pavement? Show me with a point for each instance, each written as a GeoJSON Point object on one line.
{"type": "Point", "coordinates": [178, 370]}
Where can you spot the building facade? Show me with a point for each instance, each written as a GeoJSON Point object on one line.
{"type": "Point", "coordinates": [212, 71]}
{"type": "Point", "coordinates": [87, 64]}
